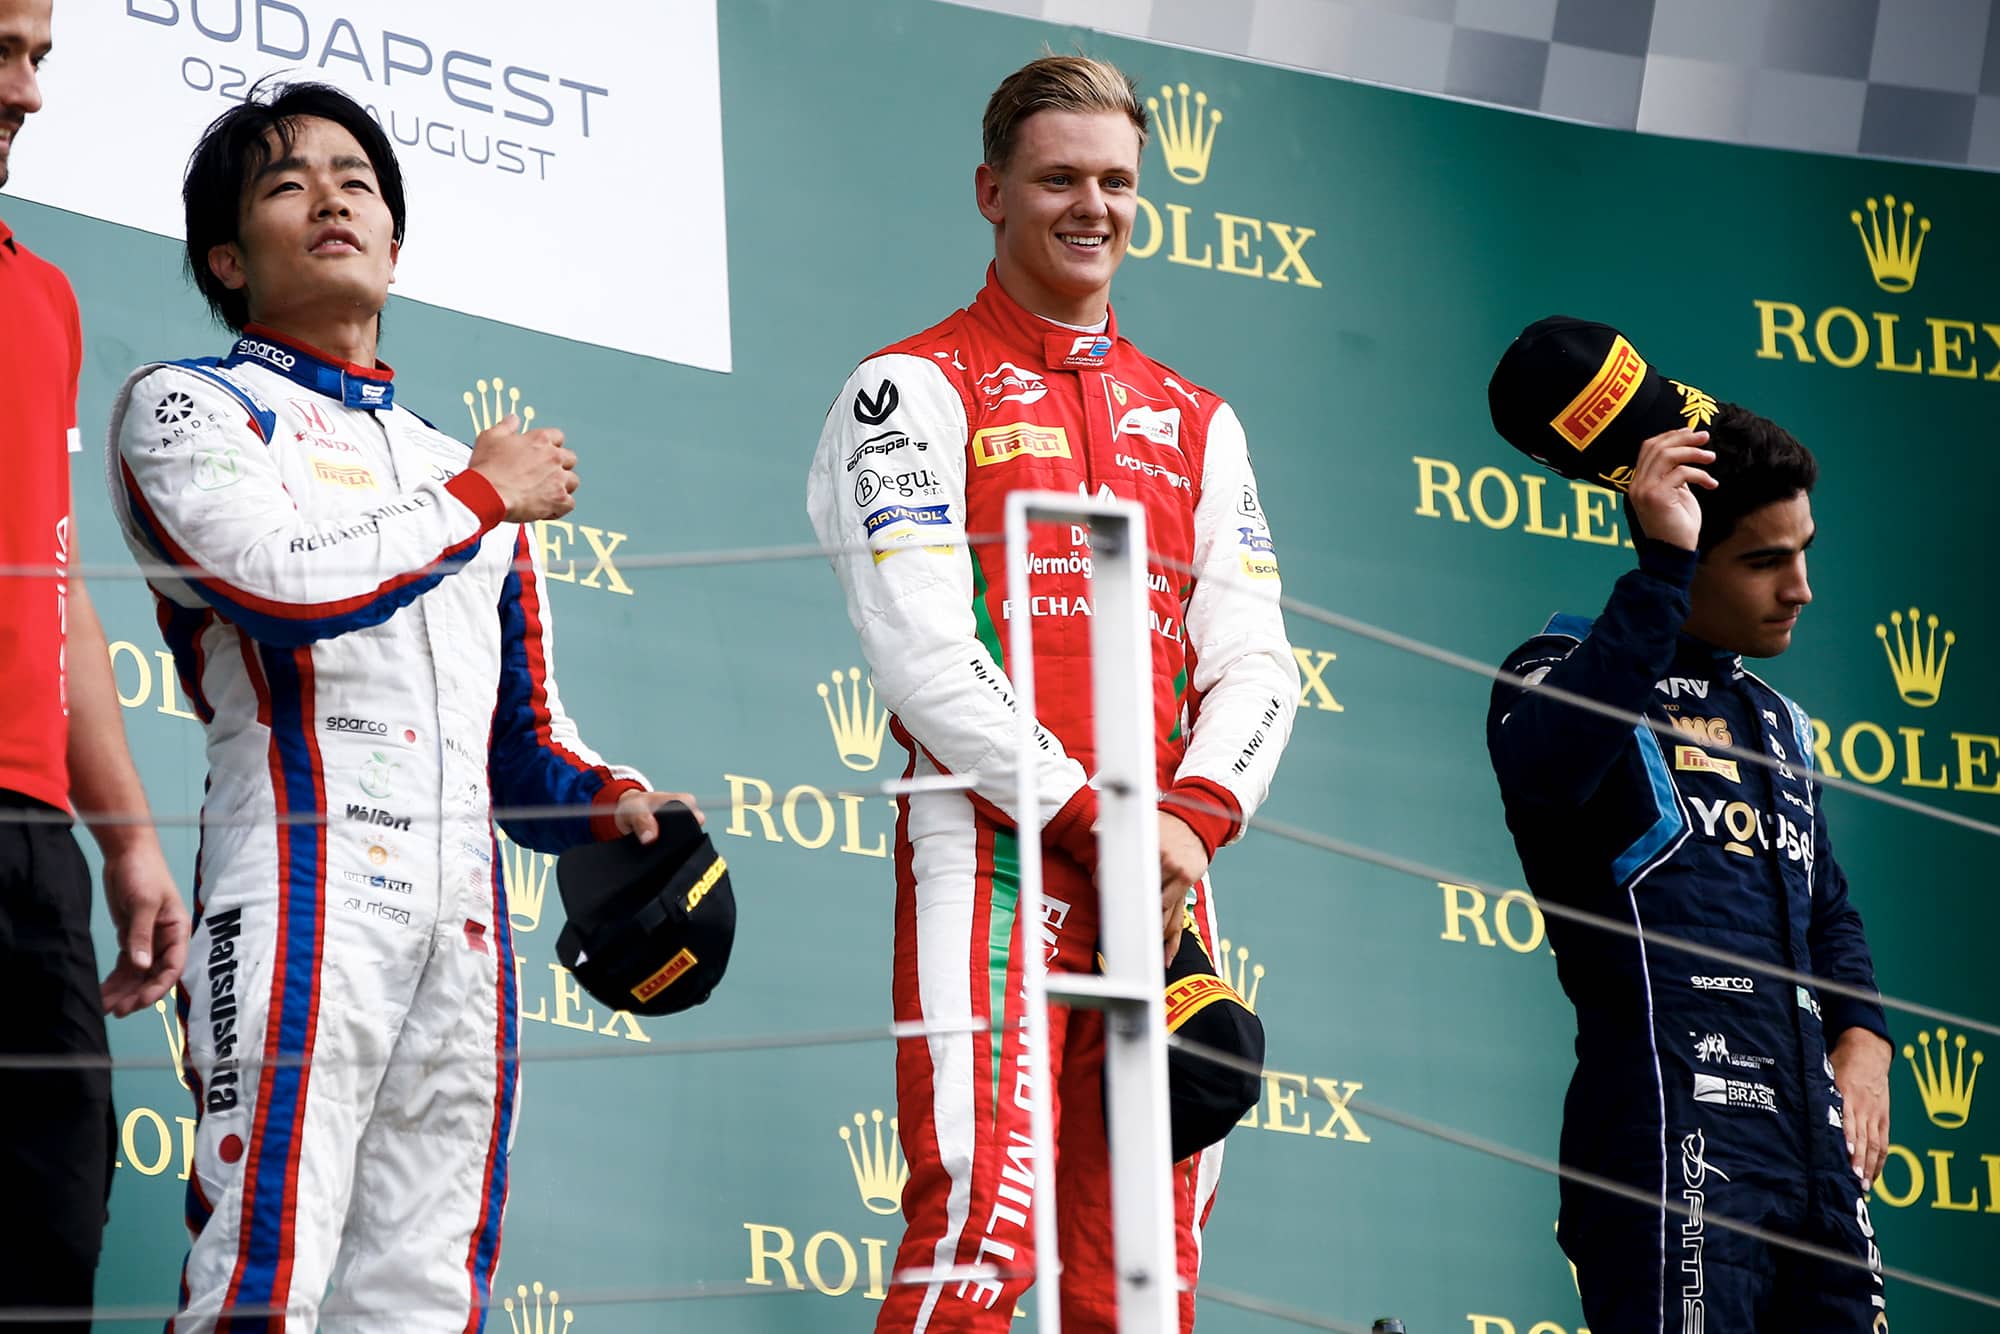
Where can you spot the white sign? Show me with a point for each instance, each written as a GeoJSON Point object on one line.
{"type": "Point", "coordinates": [563, 165]}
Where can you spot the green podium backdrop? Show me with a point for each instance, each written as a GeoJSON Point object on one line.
{"type": "Point", "coordinates": [1345, 265]}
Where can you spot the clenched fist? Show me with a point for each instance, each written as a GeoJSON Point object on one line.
{"type": "Point", "coordinates": [531, 470]}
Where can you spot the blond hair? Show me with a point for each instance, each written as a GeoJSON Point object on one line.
{"type": "Point", "coordinates": [1056, 83]}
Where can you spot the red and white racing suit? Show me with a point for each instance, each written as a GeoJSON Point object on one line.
{"type": "Point", "coordinates": [370, 652]}
{"type": "Point", "coordinates": [921, 448]}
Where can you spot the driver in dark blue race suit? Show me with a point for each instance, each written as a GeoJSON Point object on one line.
{"type": "Point", "coordinates": [1717, 1089]}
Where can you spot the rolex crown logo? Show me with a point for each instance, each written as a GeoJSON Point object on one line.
{"type": "Point", "coordinates": [877, 1158]}
{"type": "Point", "coordinates": [1915, 657]}
{"type": "Point", "coordinates": [1235, 970]}
{"type": "Point", "coordinates": [1944, 1083]}
{"type": "Point", "coordinates": [857, 726]}
{"type": "Point", "coordinates": [176, 1039]}
{"type": "Point", "coordinates": [1893, 253]}
{"type": "Point", "coordinates": [537, 1312]}
{"type": "Point", "coordinates": [493, 401]}
{"type": "Point", "coordinates": [525, 873]}
{"type": "Point", "coordinates": [1187, 136]}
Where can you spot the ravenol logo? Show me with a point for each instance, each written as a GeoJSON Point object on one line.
{"type": "Point", "coordinates": [894, 514]}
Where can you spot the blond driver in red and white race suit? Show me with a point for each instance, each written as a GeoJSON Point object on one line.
{"type": "Point", "coordinates": [919, 452]}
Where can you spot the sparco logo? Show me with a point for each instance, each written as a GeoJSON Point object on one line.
{"type": "Point", "coordinates": [366, 726]}
{"type": "Point", "coordinates": [219, 1095]}
{"type": "Point", "coordinates": [1722, 983]}
{"type": "Point", "coordinates": [277, 356]}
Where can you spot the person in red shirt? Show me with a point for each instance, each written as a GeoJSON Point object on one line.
{"type": "Point", "coordinates": [1033, 386]}
{"type": "Point", "coordinates": [62, 747]}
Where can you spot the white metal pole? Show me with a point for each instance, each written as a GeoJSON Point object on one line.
{"type": "Point", "coordinates": [1129, 992]}
{"type": "Point", "coordinates": [1129, 927]}
{"type": "Point", "coordinates": [1027, 921]}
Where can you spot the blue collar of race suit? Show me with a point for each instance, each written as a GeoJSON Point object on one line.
{"type": "Point", "coordinates": [1698, 657]}
{"type": "Point", "coordinates": [355, 386]}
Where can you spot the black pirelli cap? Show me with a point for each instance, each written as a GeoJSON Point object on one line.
{"type": "Point", "coordinates": [1577, 397]}
{"type": "Point", "coordinates": [1205, 1097]}
{"type": "Point", "coordinates": [650, 925]}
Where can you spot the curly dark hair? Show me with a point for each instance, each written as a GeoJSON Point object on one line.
{"type": "Point", "coordinates": [1757, 463]}
{"type": "Point", "coordinates": [237, 145]}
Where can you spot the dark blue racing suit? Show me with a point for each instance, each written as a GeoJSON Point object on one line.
{"type": "Point", "coordinates": [1701, 1083]}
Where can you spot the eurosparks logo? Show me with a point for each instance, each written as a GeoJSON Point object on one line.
{"type": "Point", "coordinates": [1188, 128]}
{"type": "Point", "coordinates": [1918, 648]}
{"type": "Point", "coordinates": [1879, 331]}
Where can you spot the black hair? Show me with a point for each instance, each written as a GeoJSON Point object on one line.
{"type": "Point", "coordinates": [236, 146]}
{"type": "Point", "coordinates": [1757, 463]}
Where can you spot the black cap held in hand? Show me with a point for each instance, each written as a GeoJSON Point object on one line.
{"type": "Point", "coordinates": [1205, 1097]}
{"type": "Point", "coordinates": [1579, 399]}
{"type": "Point", "coordinates": [650, 925]}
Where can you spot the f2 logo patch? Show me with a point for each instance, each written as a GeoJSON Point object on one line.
{"type": "Point", "coordinates": [874, 411]}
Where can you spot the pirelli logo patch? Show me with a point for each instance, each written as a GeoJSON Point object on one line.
{"type": "Point", "coordinates": [1693, 759]}
{"type": "Point", "coordinates": [336, 474]}
{"type": "Point", "coordinates": [1604, 397]}
{"type": "Point", "coordinates": [666, 977]}
{"type": "Point", "coordinates": [997, 444]}
{"type": "Point", "coordinates": [1191, 995]}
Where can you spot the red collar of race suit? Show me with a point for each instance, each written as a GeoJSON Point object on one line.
{"type": "Point", "coordinates": [1055, 346]}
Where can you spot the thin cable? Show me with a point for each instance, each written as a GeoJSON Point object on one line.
{"type": "Point", "coordinates": [1291, 1314]}
{"type": "Point", "coordinates": [1764, 967]}
{"type": "Point", "coordinates": [834, 1037]}
{"type": "Point", "coordinates": [1229, 579]}
{"type": "Point", "coordinates": [1521, 1157]}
